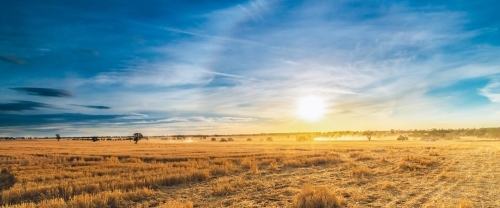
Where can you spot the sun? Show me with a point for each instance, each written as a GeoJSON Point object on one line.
{"type": "Point", "coordinates": [310, 108]}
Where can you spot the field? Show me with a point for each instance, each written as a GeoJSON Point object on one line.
{"type": "Point", "coordinates": [281, 173]}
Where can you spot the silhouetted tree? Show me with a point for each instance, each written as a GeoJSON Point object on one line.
{"type": "Point", "coordinates": [368, 135]}
{"type": "Point", "coordinates": [303, 139]}
{"type": "Point", "coordinates": [58, 137]}
{"type": "Point", "coordinates": [137, 137]}
{"type": "Point", "coordinates": [402, 138]}
{"type": "Point", "coordinates": [94, 139]}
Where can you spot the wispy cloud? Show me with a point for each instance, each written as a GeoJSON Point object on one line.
{"type": "Point", "coordinates": [92, 106]}
{"type": "Point", "coordinates": [75, 119]}
{"type": "Point", "coordinates": [12, 59]}
{"type": "Point", "coordinates": [492, 91]}
{"type": "Point", "coordinates": [207, 69]}
{"type": "Point", "coordinates": [46, 92]}
{"type": "Point", "coordinates": [23, 106]}
{"type": "Point", "coordinates": [157, 74]}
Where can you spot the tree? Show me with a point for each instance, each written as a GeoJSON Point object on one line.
{"type": "Point", "coordinates": [58, 137]}
{"type": "Point", "coordinates": [137, 137]}
{"type": "Point", "coordinates": [94, 139]}
{"type": "Point", "coordinates": [303, 139]}
{"type": "Point", "coordinates": [402, 138]}
{"type": "Point", "coordinates": [368, 135]}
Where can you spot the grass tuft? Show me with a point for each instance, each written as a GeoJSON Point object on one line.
{"type": "Point", "coordinates": [317, 197]}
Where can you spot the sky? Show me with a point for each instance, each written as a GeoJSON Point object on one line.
{"type": "Point", "coordinates": [81, 68]}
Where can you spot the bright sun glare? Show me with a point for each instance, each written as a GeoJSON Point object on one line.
{"type": "Point", "coordinates": [310, 108]}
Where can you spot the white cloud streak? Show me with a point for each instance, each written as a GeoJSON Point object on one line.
{"type": "Point", "coordinates": [492, 91]}
{"type": "Point", "coordinates": [378, 68]}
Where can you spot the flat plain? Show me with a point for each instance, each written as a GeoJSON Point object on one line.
{"type": "Point", "coordinates": [280, 173]}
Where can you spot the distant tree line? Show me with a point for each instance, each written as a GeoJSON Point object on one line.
{"type": "Point", "coordinates": [485, 133]}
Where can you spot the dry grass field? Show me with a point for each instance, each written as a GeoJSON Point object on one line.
{"type": "Point", "coordinates": [281, 173]}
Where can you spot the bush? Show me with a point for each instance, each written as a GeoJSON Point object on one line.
{"type": "Point", "coordinates": [223, 140]}
{"type": "Point", "coordinates": [317, 197]}
{"type": "Point", "coordinates": [249, 139]}
{"type": "Point", "coordinates": [213, 139]}
{"type": "Point", "coordinates": [230, 139]}
{"type": "Point", "coordinates": [303, 139]}
{"type": "Point", "coordinates": [269, 139]}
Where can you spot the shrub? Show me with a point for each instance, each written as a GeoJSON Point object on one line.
{"type": "Point", "coordinates": [223, 140]}
{"type": "Point", "coordinates": [269, 139]}
{"type": "Point", "coordinates": [249, 139]}
{"type": "Point", "coordinates": [230, 139]}
{"type": "Point", "coordinates": [317, 197]}
{"type": "Point", "coordinates": [213, 139]}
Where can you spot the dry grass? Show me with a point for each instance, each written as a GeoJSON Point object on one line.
{"type": "Point", "coordinates": [254, 169]}
{"type": "Point", "coordinates": [446, 175]}
{"type": "Point", "coordinates": [411, 162]}
{"type": "Point", "coordinates": [248, 174]}
{"type": "Point", "coordinates": [317, 197]}
{"type": "Point", "coordinates": [227, 186]}
{"type": "Point", "coordinates": [360, 171]}
{"type": "Point", "coordinates": [386, 185]}
{"type": "Point", "coordinates": [273, 165]}
{"type": "Point", "coordinates": [176, 204]}
{"type": "Point", "coordinates": [360, 156]}
{"type": "Point", "coordinates": [465, 203]}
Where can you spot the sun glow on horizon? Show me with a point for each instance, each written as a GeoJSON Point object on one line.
{"type": "Point", "coordinates": [310, 108]}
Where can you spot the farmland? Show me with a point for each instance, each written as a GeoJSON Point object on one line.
{"type": "Point", "coordinates": [279, 173]}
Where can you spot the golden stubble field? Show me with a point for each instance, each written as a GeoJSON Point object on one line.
{"type": "Point", "coordinates": [282, 173]}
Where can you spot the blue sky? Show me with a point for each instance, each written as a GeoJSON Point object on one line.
{"type": "Point", "coordinates": [170, 67]}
